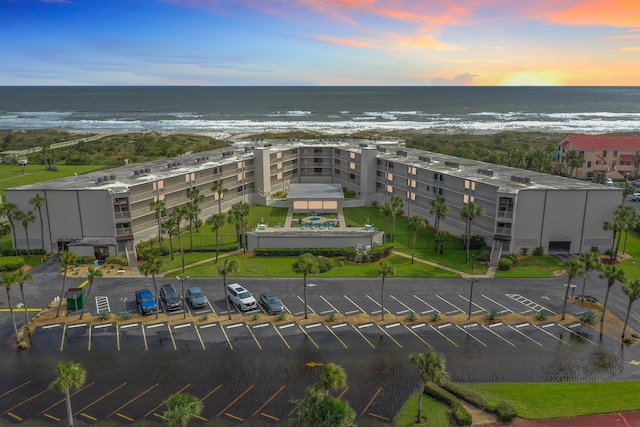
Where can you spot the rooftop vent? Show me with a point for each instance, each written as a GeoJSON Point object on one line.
{"type": "Point", "coordinates": [381, 149]}
{"type": "Point", "coordinates": [486, 172]}
{"type": "Point", "coordinates": [147, 170]}
{"type": "Point", "coordinates": [520, 179]}
{"type": "Point", "coordinates": [112, 177]}
{"type": "Point", "coordinates": [452, 165]}
{"type": "Point", "coordinates": [363, 145]}
{"type": "Point", "coordinates": [424, 159]}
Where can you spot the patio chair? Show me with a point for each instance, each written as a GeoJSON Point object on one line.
{"type": "Point", "coordinates": [303, 225]}
{"type": "Point", "coordinates": [313, 225]}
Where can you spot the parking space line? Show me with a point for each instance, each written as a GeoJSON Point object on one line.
{"type": "Point", "coordinates": [451, 304]}
{"type": "Point", "coordinates": [363, 337]}
{"type": "Point", "coordinates": [206, 396]}
{"type": "Point", "coordinates": [408, 309]}
{"type": "Point", "coordinates": [343, 392]}
{"type": "Point", "coordinates": [165, 401]}
{"type": "Point", "coordinates": [387, 334]}
{"type": "Point", "coordinates": [481, 309]}
{"type": "Point", "coordinates": [172, 340]}
{"type": "Point", "coordinates": [64, 334]}
{"type": "Point", "coordinates": [100, 398]}
{"type": "Point", "coordinates": [125, 417]}
{"type": "Point", "coordinates": [375, 396]}
{"type": "Point", "coordinates": [160, 416]}
{"type": "Point", "coordinates": [94, 419]}
{"type": "Point", "coordinates": [35, 396]}
{"type": "Point", "coordinates": [56, 419]}
{"type": "Point", "coordinates": [89, 343]}
{"type": "Point", "coordinates": [280, 335]}
{"type": "Point", "coordinates": [233, 403]}
{"type": "Point", "coordinates": [308, 306]}
{"type": "Point", "coordinates": [504, 308]}
{"type": "Point", "coordinates": [144, 338]}
{"type": "Point", "coordinates": [226, 336]}
{"type": "Point", "coordinates": [497, 334]}
{"type": "Point", "coordinates": [330, 329]}
{"type": "Point", "coordinates": [199, 337]}
{"type": "Point", "coordinates": [378, 304]}
{"type": "Point", "coordinates": [576, 334]}
{"type": "Point", "coordinates": [14, 389]}
{"type": "Point", "coordinates": [356, 305]}
{"type": "Point", "coordinates": [308, 336]}
{"type": "Point", "coordinates": [254, 337]}
{"type": "Point", "coordinates": [542, 328]}
{"type": "Point", "coordinates": [464, 329]}
{"type": "Point", "coordinates": [43, 412]}
{"type": "Point", "coordinates": [268, 401]}
{"type": "Point", "coordinates": [532, 305]}
{"type": "Point", "coordinates": [329, 304]}
{"type": "Point", "coordinates": [117, 411]}
{"type": "Point", "coordinates": [427, 304]}
{"type": "Point", "coordinates": [524, 335]}
{"type": "Point", "coordinates": [410, 329]}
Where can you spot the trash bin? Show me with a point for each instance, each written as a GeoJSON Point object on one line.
{"type": "Point", "coordinates": [76, 298]}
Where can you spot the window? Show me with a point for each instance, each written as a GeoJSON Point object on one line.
{"type": "Point", "coordinates": [582, 153]}
{"type": "Point", "coordinates": [317, 170]}
{"type": "Point", "coordinates": [615, 153]}
{"type": "Point", "coordinates": [352, 176]}
{"type": "Point", "coordinates": [390, 165]}
{"type": "Point", "coordinates": [604, 153]}
{"type": "Point", "coordinates": [588, 163]}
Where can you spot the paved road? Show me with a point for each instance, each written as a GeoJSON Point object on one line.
{"type": "Point", "coordinates": [250, 371]}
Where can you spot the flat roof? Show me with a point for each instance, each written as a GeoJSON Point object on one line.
{"type": "Point", "coordinates": [315, 191]}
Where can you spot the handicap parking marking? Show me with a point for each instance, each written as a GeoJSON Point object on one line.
{"type": "Point", "coordinates": [457, 309]}
{"type": "Point", "coordinates": [531, 305]}
{"type": "Point", "coordinates": [504, 309]}
{"type": "Point", "coordinates": [465, 329]}
{"type": "Point", "coordinates": [431, 309]}
{"type": "Point", "coordinates": [105, 334]}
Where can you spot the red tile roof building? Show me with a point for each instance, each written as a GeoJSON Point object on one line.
{"type": "Point", "coordinates": [614, 156]}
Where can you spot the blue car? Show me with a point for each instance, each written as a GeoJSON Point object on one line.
{"type": "Point", "coordinates": [146, 302]}
{"type": "Point", "coordinates": [196, 298]}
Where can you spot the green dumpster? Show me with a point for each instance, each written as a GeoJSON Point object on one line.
{"type": "Point", "coordinates": [76, 298]}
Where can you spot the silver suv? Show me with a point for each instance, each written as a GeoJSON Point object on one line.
{"type": "Point", "coordinates": [241, 297]}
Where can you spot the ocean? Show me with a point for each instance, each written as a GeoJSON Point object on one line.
{"type": "Point", "coordinates": [326, 109]}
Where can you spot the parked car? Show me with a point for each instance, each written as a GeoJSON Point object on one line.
{"type": "Point", "coordinates": [146, 302]}
{"type": "Point", "coordinates": [170, 297]}
{"type": "Point", "coordinates": [196, 298]}
{"type": "Point", "coordinates": [241, 297]}
{"type": "Point", "coordinates": [271, 303]}
{"type": "Point", "coordinates": [635, 197]}
{"type": "Point", "coordinates": [636, 182]}
{"type": "Point", "coordinates": [608, 182]}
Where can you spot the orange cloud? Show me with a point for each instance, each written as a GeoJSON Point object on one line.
{"type": "Point", "coordinates": [343, 42]}
{"type": "Point", "coordinates": [617, 13]}
{"type": "Point", "coordinates": [426, 41]}
{"type": "Point", "coordinates": [630, 49]}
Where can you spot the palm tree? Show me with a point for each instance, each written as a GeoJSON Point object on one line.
{"type": "Point", "coordinates": [470, 211]}
{"type": "Point", "coordinates": [227, 267]}
{"type": "Point", "coordinates": [9, 279]}
{"type": "Point", "coordinates": [181, 408]}
{"type": "Point", "coordinates": [632, 290]}
{"type": "Point", "coordinates": [196, 198]}
{"type": "Point", "coordinates": [627, 190]}
{"type": "Point", "coordinates": [178, 214]}
{"type": "Point", "coordinates": [612, 274]}
{"type": "Point", "coordinates": [26, 218]}
{"type": "Point", "coordinates": [216, 221]}
{"type": "Point", "coordinates": [191, 212]}
{"type": "Point", "coordinates": [591, 261]}
{"type": "Point", "coordinates": [67, 258]}
{"type": "Point", "coordinates": [319, 409]}
{"type": "Point", "coordinates": [397, 204]}
{"type": "Point", "coordinates": [439, 211]}
{"type": "Point", "coordinates": [238, 215]}
{"type": "Point", "coordinates": [20, 277]}
{"type": "Point", "coordinates": [333, 377]}
{"type": "Point", "coordinates": [37, 202]}
{"type": "Point", "coordinates": [160, 208]}
{"type": "Point", "coordinates": [152, 265]}
{"type": "Point", "coordinates": [92, 274]}
{"type": "Point", "coordinates": [433, 368]}
{"type": "Point", "coordinates": [416, 223]}
{"type": "Point", "coordinates": [170, 226]}
{"type": "Point", "coordinates": [9, 210]}
{"type": "Point", "coordinates": [306, 265]}
{"type": "Point", "coordinates": [70, 375]}
{"type": "Point", "coordinates": [574, 268]}
{"type": "Point", "coordinates": [441, 240]}
{"type": "Point", "coordinates": [384, 269]}
{"type": "Point", "coordinates": [636, 163]}
{"type": "Point", "coordinates": [387, 211]}
{"type": "Point", "coordinates": [219, 189]}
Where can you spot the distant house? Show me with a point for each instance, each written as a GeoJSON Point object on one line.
{"type": "Point", "coordinates": [615, 156]}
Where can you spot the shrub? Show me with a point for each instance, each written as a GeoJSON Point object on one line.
{"type": "Point", "coordinates": [538, 251]}
{"type": "Point", "coordinates": [412, 316]}
{"type": "Point", "coordinates": [11, 263]}
{"type": "Point", "coordinates": [473, 397]}
{"type": "Point", "coordinates": [126, 315]}
{"type": "Point", "coordinates": [484, 255]}
{"type": "Point", "coordinates": [460, 413]}
{"type": "Point", "coordinates": [105, 315]}
{"type": "Point", "coordinates": [524, 251]}
{"type": "Point", "coordinates": [608, 252]}
{"type": "Point", "coordinates": [588, 317]}
{"type": "Point", "coordinates": [492, 314]}
{"type": "Point", "coordinates": [435, 316]}
{"type": "Point", "coordinates": [477, 242]}
{"type": "Point", "coordinates": [506, 411]}
{"type": "Point", "coordinates": [331, 318]}
{"type": "Point", "coordinates": [505, 264]}
{"type": "Point", "coordinates": [462, 416]}
{"type": "Point", "coordinates": [542, 315]}
{"type": "Point", "coordinates": [255, 317]}
{"type": "Point", "coordinates": [282, 315]}
{"type": "Point", "coordinates": [204, 317]}
{"type": "Point", "coordinates": [116, 260]}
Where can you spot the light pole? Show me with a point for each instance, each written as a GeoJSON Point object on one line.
{"type": "Point", "coordinates": [473, 258]}
{"type": "Point", "coordinates": [184, 301]}
{"type": "Point", "coordinates": [471, 280]}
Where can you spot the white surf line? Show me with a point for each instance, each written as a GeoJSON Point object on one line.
{"type": "Point", "coordinates": [576, 334]}
{"type": "Point", "coordinates": [541, 328]}
{"type": "Point", "coordinates": [411, 329]}
{"type": "Point", "coordinates": [329, 304]}
{"type": "Point", "coordinates": [471, 335]}
{"type": "Point", "coordinates": [378, 304]}
{"type": "Point", "coordinates": [356, 305]}
{"type": "Point", "coordinates": [408, 309]}
{"type": "Point", "coordinates": [497, 334]}
{"type": "Point", "coordinates": [505, 308]}
{"type": "Point", "coordinates": [427, 304]}
{"type": "Point", "coordinates": [451, 304]}
{"type": "Point", "coordinates": [481, 309]}
{"type": "Point", "coordinates": [308, 306]}
{"type": "Point", "coordinates": [523, 334]}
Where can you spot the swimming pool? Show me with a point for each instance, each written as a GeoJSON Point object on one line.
{"type": "Point", "coordinates": [314, 218]}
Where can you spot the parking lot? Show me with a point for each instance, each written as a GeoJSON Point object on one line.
{"type": "Point", "coordinates": [250, 370]}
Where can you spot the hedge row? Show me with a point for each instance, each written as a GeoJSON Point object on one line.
{"type": "Point", "coordinates": [120, 260]}
{"type": "Point", "coordinates": [505, 411]}
{"type": "Point", "coordinates": [460, 413]}
{"type": "Point", "coordinates": [11, 263]}
{"type": "Point", "coordinates": [10, 252]}
{"type": "Point", "coordinates": [328, 252]}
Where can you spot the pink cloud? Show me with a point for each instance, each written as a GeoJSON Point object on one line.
{"type": "Point", "coordinates": [343, 41]}
{"type": "Point", "coordinates": [616, 13]}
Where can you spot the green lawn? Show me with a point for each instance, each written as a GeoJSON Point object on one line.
{"type": "Point", "coordinates": [631, 266]}
{"type": "Point", "coordinates": [532, 266]}
{"type": "Point", "coordinates": [556, 400]}
{"type": "Point", "coordinates": [436, 413]}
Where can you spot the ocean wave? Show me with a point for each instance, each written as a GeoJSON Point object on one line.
{"type": "Point", "coordinates": [290, 114]}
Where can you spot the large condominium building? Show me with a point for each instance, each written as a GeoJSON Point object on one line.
{"type": "Point", "coordinates": [106, 213]}
{"type": "Point", "coordinates": [616, 156]}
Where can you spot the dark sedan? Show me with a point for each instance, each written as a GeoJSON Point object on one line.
{"type": "Point", "coordinates": [271, 303]}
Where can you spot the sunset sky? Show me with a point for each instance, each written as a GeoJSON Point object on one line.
{"type": "Point", "coordinates": [320, 42]}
